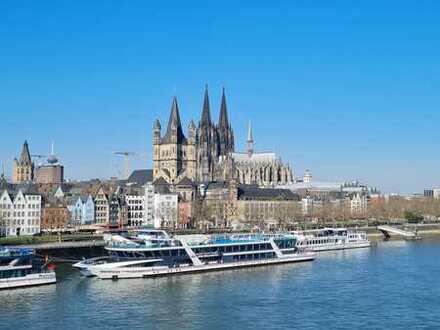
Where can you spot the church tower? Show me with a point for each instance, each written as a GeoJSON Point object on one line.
{"type": "Point", "coordinates": [225, 134]}
{"type": "Point", "coordinates": [23, 169]}
{"type": "Point", "coordinates": [207, 143]}
{"type": "Point", "coordinates": [173, 154]}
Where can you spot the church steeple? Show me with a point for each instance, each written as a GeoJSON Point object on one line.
{"type": "Point", "coordinates": [226, 136]}
{"type": "Point", "coordinates": [206, 113]}
{"type": "Point", "coordinates": [25, 158]}
{"type": "Point", "coordinates": [250, 140]}
{"type": "Point", "coordinates": [23, 168]}
{"type": "Point", "coordinates": [223, 120]}
{"type": "Point", "coordinates": [174, 131]}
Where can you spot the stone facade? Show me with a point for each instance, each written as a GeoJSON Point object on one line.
{"type": "Point", "coordinates": [174, 155]}
{"type": "Point", "coordinates": [55, 215]}
{"type": "Point", "coordinates": [261, 168]}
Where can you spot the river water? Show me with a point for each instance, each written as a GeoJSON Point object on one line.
{"type": "Point", "coordinates": [393, 285]}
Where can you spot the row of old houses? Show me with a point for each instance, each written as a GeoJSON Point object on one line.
{"type": "Point", "coordinates": [28, 209]}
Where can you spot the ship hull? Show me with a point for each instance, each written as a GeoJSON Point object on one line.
{"type": "Point", "coordinates": [146, 272]}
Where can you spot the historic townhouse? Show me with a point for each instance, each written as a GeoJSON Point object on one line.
{"type": "Point", "coordinates": [55, 215]}
{"type": "Point", "coordinates": [135, 209]}
{"type": "Point", "coordinates": [82, 210]}
{"type": "Point", "coordinates": [101, 207]}
{"type": "Point", "coordinates": [20, 212]}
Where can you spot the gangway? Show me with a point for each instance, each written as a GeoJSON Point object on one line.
{"type": "Point", "coordinates": [278, 252]}
{"type": "Point", "coordinates": [388, 230]}
{"type": "Point", "coordinates": [195, 260]}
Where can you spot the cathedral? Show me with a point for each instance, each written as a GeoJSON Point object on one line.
{"type": "Point", "coordinates": [195, 157]}
{"type": "Point", "coordinates": [206, 153]}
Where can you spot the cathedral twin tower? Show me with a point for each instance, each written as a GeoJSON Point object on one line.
{"type": "Point", "coordinates": [177, 158]}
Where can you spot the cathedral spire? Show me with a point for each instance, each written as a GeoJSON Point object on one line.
{"type": "Point", "coordinates": [174, 125]}
{"type": "Point", "coordinates": [206, 114]}
{"type": "Point", "coordinates": [25, 158]}
{"type": "Point", "coordinates": [250, 140]}
{"type": "Point", "coordinates": [223, 120]}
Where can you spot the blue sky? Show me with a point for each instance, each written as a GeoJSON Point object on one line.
{"type": "Point", "coordinates": [349, 89]}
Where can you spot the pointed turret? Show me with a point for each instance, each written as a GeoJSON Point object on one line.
{"type": "Point", "coordinates": [223, 122]}
{"type": "Point", "coordinates": [174, 133]}
{"type": "Point", "coordinates": [206, 113]}
{"type": "Point", "coordinates": [156, 132]}
{"type": "Point", "coordinates": [192, 131]}
{"type": "Point", "coordinates": [25, 158]}
{"type": "Point", "coordinates": [250, 140]}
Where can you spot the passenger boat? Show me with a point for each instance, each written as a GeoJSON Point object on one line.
{"type": "Point", "coordinates": [164, 255]}
{"type": "Point", "coordinates": [331, 239]}
{"type": "Point", "coordinates": [20, 267]}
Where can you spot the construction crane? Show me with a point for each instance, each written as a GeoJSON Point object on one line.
{"type": "Point", "coordinates": [39, 157]}
{"type": "Point", "coordinates": [127, 165]}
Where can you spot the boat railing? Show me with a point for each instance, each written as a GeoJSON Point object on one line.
{"type": "Point", "coordinates": [231, 238]}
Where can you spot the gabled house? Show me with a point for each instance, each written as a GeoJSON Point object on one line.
{"type": "Point", "coordinates": [88, 210]}
{"type": "Point", "coordinates": [20, 212]}
{"type": "Point", "coordinates": [102, 208]}
{"type": "Point", "coordinates": [76, 210]}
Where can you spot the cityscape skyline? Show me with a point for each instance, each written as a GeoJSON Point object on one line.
{"type": "Point", "coordinates": [347, 110]}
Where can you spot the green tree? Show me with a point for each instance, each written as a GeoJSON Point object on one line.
{"type": "Point", "coordinates": [412, 216]}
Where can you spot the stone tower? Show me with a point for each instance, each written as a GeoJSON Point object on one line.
{"type": "Point", "coordinates": [23, 169]}
{"type": "Point", "coordinates": [225, 134]}
{"type": "Point", "coordinates": [173, 154]}
{"type": "Point", "coordinates": [207, 143]}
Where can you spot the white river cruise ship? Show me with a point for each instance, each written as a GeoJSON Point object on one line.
{"type": "Point", "coordinates": [331, 239]}
{"type": "Point", "coordinates": [154, 253]}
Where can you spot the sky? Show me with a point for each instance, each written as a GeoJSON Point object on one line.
{"type": "Point", "coordinates": [347, 89]}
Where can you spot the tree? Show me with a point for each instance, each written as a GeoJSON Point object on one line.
{"type": "Point", "coordinates": [2, 225]}
{"type": "Point", "coordinates": [412, 217]}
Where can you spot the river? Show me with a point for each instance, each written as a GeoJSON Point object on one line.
{"type": "Point", "coordinates": [393, 285]}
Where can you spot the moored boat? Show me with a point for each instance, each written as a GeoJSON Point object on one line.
{"type": "Point", "coordinates": [169, 256]}
{"type": "Point", "coordinates": [328, 239]}
{"type": "Point", "coordinates": [20, 267]}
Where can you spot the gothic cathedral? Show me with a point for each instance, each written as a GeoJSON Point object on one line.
{"type": "Point", "coordinates": [207, 153]}
{"type": "Point", "coordinates": [195, 157]}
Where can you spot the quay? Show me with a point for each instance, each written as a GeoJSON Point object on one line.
{"type": "Point", "coordinates": [63, 245]}
{"type": "Point", "coordinates": [68, 251]}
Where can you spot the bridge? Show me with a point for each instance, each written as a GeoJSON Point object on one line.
{"type": "Point", "coordinates": [388, 230]}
